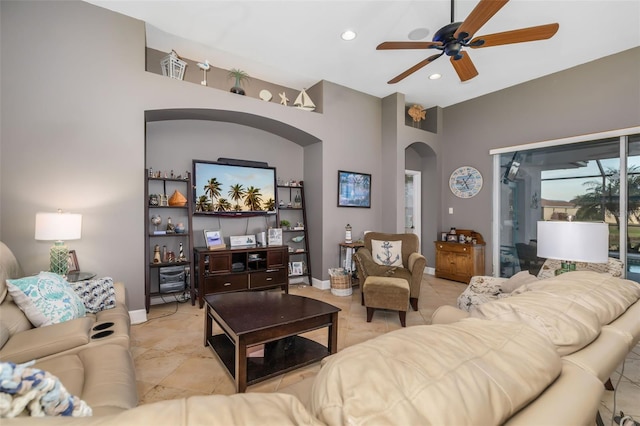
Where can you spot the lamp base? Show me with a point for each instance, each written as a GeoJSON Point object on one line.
{"type": "Point", "coordinates": [567, 266]}
{"type": "Point", "coordinates": [59, 258]}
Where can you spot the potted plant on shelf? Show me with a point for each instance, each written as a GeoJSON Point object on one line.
{"type": "Point", "coordinates": [285, 224]}
{"type": "Point", "coordinates": [240, 76]}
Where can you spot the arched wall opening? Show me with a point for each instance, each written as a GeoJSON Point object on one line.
{"type": "Point", "coordinates": [422, 158]}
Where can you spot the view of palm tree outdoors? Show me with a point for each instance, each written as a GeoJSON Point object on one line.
{"type": "Point", "coordinates": [578, 180]}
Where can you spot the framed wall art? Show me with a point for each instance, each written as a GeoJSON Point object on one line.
{"type": "Point", "coordinates": [354, 189]}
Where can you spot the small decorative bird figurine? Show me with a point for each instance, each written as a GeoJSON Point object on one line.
{"type": "Point", "coordinates": [204, 67]}
{"type": "Point", "coordinates": [283, 98]}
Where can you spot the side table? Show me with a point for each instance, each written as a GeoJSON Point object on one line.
{"type": "Point", "coordinates": [72, 277]}
{"type": "Point", "coordinates": [347, 250]}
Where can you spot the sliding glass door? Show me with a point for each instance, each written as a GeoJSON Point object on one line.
{"type": "Point", "coordinates": [582, 180]}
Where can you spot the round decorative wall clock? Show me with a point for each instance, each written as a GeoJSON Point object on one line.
{"type": "Point", "coordinates": [465, 182]}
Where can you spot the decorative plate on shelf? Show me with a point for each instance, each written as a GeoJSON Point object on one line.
{"type": "Point", "coordinates": [465, 182]}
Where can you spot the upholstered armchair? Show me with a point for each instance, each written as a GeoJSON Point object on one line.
{"type": "Point", "coordinates": [483, 289]}
{"type": "Point", "coordinates": [392, 255]}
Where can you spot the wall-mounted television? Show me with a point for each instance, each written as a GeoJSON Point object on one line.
{"type": "Point", "coordinates": [234, 188]}
{"type": "Point", "coordinates": [512, 169]}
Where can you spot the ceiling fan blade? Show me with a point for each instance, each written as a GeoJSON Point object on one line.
{"type": "Point", "coordinates": [408, 45]}
{"type": "Point", "coordinates": [413, 69]}
{"type": "Point", "coordinates": [478, 17]}
{"type": "Point", "coordinates": [464, 67]}
{"type": "Point", "coordinates": [541, 32]}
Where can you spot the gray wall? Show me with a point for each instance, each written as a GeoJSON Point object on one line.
{"type": "Point", "coordinates": [74, 96]}
{"type": "Point", "coordinates": [595, 97]}
{"type": "Point", "coordinates": [73, 137]}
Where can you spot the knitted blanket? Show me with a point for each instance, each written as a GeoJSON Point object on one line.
{"type": "Point", "coordinates": [36, 391]}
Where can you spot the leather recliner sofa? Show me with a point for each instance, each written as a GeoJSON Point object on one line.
{"type": "Point", "coordinates": [97, 369]}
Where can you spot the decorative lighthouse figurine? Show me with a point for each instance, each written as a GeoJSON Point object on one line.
{"type": "Point", "coordinates": [347, 235]}
{"type": "Point", "coordinates": [181, 257]}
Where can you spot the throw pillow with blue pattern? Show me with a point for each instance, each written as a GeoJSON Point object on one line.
{"type": "Point", "coordinates": [97, 295]}
{"type": "Point", "coordinates": [46, 299]}
{"type": "Point", "coordinates": [25, 390]}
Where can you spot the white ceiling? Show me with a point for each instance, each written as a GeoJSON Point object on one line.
{"type": "Point", "coordinates": [297, 43]}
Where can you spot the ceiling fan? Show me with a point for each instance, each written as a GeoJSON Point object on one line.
{"type": "Point", "coordinates": [452, 38]}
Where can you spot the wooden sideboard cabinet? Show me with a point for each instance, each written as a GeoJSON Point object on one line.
{"type": "Point", "coordinates": [459, 261]}
{"type": "Point", "coordinates": [240, 269]}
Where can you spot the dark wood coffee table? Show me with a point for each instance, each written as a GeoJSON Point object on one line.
{"type": "Point", "coordinates": [274, 319]}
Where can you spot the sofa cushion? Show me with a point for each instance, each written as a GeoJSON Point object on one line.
{"type": "Point", "coordinates": [103, 376]}
{"type": "Point", "coordinates": [516, 281]}
{"type": "Point", "coordinates": [97, 295]}
{"type": "Point", "coordinates": [46, 299]}
{"type": "Point", "coordinates": [388, 253]}
{"type": "Point", "coordinates": [604, 295]}
{"type": "Point", "coordinates": [470, 372]}
{"type": "Point", "coordinates": [26, 390]}
{"type": "Point", "coordinates": [565, 323]}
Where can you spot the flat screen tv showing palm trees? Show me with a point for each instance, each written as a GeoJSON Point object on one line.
{"type": "Point", "coordinates": [233, 190]}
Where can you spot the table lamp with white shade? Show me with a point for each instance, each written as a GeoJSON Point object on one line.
{"type": "Point", "coordinates": [58, 227]}
{"type": "Point", "coordinates": [570, 242]}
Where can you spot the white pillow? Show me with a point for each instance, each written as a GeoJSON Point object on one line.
{"type": "Point", "coordinates": [387, 253]}
{"type": "Point", "coordinates": [46, 299]}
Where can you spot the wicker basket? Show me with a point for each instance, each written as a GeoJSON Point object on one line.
{"type": "Point", "coordinates": [341, 285]}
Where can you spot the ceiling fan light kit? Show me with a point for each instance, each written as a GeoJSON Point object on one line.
{"type": "Point", "coordinates": [454, 37]}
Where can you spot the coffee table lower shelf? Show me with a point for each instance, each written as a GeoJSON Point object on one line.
{"type": "Point", "coordinates": [277, 360]}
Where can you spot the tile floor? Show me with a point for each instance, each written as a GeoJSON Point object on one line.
{"type": "Point", "coordinates": [172, 362]}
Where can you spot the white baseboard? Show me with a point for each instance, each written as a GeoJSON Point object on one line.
{"type": "Point", "coordinates": [429, 270]}
{"type": "Point", "coordinates": [320, 284]}
{"type": "Point", "coordinates": [138, 316]}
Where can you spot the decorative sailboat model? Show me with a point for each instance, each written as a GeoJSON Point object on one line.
{"type": "Point", "coordinates": [303, 101]}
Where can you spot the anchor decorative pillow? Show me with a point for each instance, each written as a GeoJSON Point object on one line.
{"type": "Point", "coordinates": [388, 253]}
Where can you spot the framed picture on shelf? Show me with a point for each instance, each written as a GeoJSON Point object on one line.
{"type": "Point", "coordinates": [213, 240]}
{"type": "Point", "coordinates": [443, 236]}
{"type": "Point", "coordinates": [354, 189]}
{"type": "Point", "coordinates": [72, 262]}
{"type": "Point", "coordinates": [274, 237]}
{"type": "Point", "coordinates": [296, 268]}
{"type": "Point", "coordinates": [453, 238]}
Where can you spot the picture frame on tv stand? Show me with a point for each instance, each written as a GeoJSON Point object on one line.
{"type": "Point", "coordinates": [274, 237]}
{"type": "Point", "coordinates": [213, 240]}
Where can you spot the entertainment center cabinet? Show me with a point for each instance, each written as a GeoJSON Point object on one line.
{"type": "Point", "coordinates": [240, 269]}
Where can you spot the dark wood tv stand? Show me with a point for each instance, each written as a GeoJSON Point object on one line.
{"type": "Point", "coordinates": [240, 269]}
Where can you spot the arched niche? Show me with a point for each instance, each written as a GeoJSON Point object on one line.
{"type": "Point", "coordinates": [420, 157]}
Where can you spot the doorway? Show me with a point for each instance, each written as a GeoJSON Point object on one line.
{"type": "Point", "coordinates": [412, 203]}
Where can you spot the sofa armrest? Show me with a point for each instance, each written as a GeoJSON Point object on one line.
{"type": "Point", "coordinates": [446, 314]}
{"type": "Point", "coordinates": [367, 266]}
{"type": "Point", "coordinates": [41, 342]}
{"type": "Point", "coordinates": [560, 404]}
{"type": "Point", "coordinates": [417, 262]}
{"type": "Point", "coordinates": [121, 296]}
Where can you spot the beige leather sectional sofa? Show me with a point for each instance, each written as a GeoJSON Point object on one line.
{"type": "Point", "coordinates": [519, 362]}
{"type": "Point", "coordinates": [97, 369]}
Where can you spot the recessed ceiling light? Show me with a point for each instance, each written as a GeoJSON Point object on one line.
{"type": "Point", "coordinates": [435, 76]}
{"type": "Point", "coordinates": [418, 34]}
{"type": "Point", "coordinates": [348, 35]}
